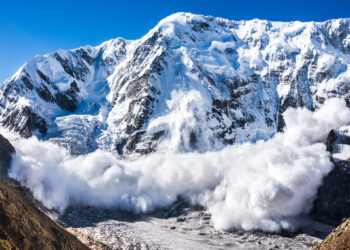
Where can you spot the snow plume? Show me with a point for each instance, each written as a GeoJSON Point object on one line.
{"type": "Point", "coordinates": [265, 185]}
{"type": "Point", "coordinates": [185, 124]}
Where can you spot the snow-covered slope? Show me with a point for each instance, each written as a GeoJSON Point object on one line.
{"type": "Point", "coordinates": [193, 83]}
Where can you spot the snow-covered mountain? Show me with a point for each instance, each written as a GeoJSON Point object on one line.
{"type": "Point", "coordinates": [193, 83]}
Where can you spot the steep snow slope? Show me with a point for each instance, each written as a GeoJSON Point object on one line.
{"type": "Point", "coordinates": [192, 83]}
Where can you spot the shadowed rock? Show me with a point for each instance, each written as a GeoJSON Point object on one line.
{"type": "Point", "coordinates": [332, 204]}
{"type": "Point", "coordinates": [6, 149]}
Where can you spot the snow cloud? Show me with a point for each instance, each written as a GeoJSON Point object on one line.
{"type": "Point", "coordinates": [265, 185]}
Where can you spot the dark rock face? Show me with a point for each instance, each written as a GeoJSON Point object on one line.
{"type": "Point", "coordinates": [6, 149]}
{"type": "Point", "coordinates": [66, 102]}
{"type": "Point", "coordinates": [26, 80]}
{"type": "Point", "coordinates": [331, 139]}
{"type": "Point", "coordinates": [45, 94]}
{"type": "Point", "coordinates": [43, 76]}
{"type": "Point", "coordinates": [24, 121]}
{"type": "Point", "coordinates": [332, 204]}
{"type": "Point", "coordinates": [78, 71]}
{"type": "Point", "coordinates": [199, 26]}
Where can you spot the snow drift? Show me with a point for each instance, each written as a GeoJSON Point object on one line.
{"type": "Point", "coordinates": [265, 185]}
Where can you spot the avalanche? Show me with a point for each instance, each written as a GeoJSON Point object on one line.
{"type": "Point", "coordinates": [265, 185]}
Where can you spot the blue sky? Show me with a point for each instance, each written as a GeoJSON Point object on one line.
{"type": "Point", "coordinates": [28, 28]}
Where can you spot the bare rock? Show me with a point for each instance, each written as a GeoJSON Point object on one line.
{"type": "Point", "coordinates": [6, 149]}
{"type": "Point", "coordinates": [338, 239]}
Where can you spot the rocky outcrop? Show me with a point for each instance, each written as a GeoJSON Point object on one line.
{"type": "Point", "coordinates": [6, 149]}
{"type": "Point", "coordinates": [24, 121]}
{"type": "Point", "coordinates": [332, 204]}
{"type": "Point", "coordinates": [22, 224]}
{"type": "Point", "coordinates": [339, 239]}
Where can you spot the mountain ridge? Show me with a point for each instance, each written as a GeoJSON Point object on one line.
{"type": "Point", "coordinates": [232, 79]}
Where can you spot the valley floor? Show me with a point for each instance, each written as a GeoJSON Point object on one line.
{"type": "Point", "coordinates": [179, 226]}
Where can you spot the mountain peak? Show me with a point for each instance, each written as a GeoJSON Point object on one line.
{"type": "Point", "coordinates": [233, 80]}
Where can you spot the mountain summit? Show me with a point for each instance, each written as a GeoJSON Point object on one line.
{"type": "Point", "coordinates": [192, 83]}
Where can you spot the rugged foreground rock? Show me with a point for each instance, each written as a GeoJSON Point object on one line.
{"type": "Point", "coordinates": [339, 239]}
{"type": "Point", "coordinates": [22, 224]}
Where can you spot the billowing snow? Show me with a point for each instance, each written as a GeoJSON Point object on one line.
{"type": "Point", "coordinates": [265, 185]}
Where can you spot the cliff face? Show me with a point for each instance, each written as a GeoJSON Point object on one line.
{"type": "Point", "coordinates": [332, 203]}
{"type": "Point", "coordinates": [22, 224]}
{"type": "Point", "coordinates": [6, 149]}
